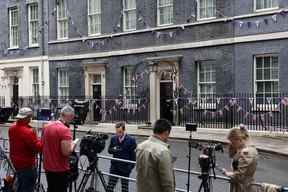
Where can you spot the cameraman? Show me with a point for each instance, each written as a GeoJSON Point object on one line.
{"type": "Point", "coordinates": [122, 146]}
{"type": "Point", "coordinates": [57, 146]}
{"type": "Point", "coordinates": [244, 163]}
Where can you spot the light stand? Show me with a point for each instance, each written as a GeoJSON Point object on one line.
{"type": "Point", "coordinates": [189, 160]}
{"type": "Point", "coordinates": [75, 127]}
{"type": "Point", "coordinates": [73, 183]}
{"type": "Point", "coordinates": [191, 127]}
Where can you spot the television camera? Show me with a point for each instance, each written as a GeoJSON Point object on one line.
{"type": "Point", "coordinates": [92, 144]}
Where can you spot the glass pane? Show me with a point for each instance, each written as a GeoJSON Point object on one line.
{"type": "Point", "coordinates": [97, 23]}
{"type": "Point", "coordinates": [202, 77]}
{"type": "Point", "coordinates": [268, 87]}
{"type": "Point", "coordinates": [274, 61]}
{"type": "Point", "coordinates": [161, 3]}
{"type": "Point", "coordinates": [90, 8]}
{"type": "Point", "coordinates": [260, 87]}
{"type": "Point", "coordinates": [275, 87]}
{"type": "Point", "coordinates": [267, 62]}
{"type": "Point", "coordinates": [266, 3]}
{"type": "Point", "coordinates": [259, 74]}
{"type": "Point", "coordinates": [35, 76]}
{"type": "Point", "coordinates": [274, 73]}
{"type": "Point", "coordinates": [97, 78]}
{"type": "Point", "coordinates": [274, 3]}
{"type": "Point", "coordinates": [259, 4]}
{"type": "Point", "coordinates": [202, 89]}
{"type": "Point", "coordinates": [267, 74]}
{"type": "Point", "coordinates": [259, 62]}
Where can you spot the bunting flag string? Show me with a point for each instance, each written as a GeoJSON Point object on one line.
{"type": "Point", "coordinates": [233, 103]}
{"type": "Point", "coordinates": [258, 23]}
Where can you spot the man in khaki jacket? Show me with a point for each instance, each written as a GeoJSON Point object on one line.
{"type": "Point", "coordinates": [154, 161]}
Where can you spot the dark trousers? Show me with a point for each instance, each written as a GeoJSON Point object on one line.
{"type": "Point", "coordinates": [113, 181]}
{"type": "Point", "coordinates": [25, 180]}
{"type": "Point", "coordinates": [57, 181]}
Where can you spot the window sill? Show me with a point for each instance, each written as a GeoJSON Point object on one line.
{"type": "Point", "coordinates": [266, 9]}
{"type": "Point", "coordinates": [94, 35]}
{"type": "Point", "coordinates": [206, 19]}
{"type": "Point", "coordinates": [33, 46]}
{"type": "Point", "coordinates": [12, 48]}
{"type": "Point", "coordinates": [128, 30]}
{"type": "Point", "coordinates": [60, 39]}
{"type": "Point", "coordinates": [164, 25]}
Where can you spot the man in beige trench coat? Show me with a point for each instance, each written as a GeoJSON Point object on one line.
{"type": "Point", "coordinates": [154, 161]}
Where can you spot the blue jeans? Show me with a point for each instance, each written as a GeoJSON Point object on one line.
{"type": "Point", "coordinates": [25, 180]}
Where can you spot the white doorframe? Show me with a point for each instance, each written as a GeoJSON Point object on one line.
{"type": "Point", "coordinates": [156, 69]}
{"type": "Point", "coordinates": [90, 71]}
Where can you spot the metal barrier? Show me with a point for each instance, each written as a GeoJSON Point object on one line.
{"type": "Point", "coordinates": [224, 180]}
{"type": "Point", "coordinates": [179, 173]}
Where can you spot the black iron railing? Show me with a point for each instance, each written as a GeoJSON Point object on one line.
{"type": "Point", "coordinates": [258, 113]}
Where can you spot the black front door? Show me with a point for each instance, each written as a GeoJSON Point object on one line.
{"type": "Point", "coordinates": [15, 96]}
{"type": "Point", "coordinates": [97, 105]}
{"type": "Point", "coordinates": [166, 101]}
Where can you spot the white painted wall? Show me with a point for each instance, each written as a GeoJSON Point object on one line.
{"type": "Point", "coordinates": [24, 68]}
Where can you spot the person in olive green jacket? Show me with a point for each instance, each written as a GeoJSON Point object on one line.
{"type": "Point", "coordinates": [154, 161]}
{"type": "Point", "coordinates": [244, 163]}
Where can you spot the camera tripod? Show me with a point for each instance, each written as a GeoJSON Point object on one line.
{"type": "Point", "coordinates": [92, 172]}
{"type": "Point", "coordinates": [206, 183]}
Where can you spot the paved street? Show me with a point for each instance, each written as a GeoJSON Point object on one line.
{"type": "Point", "coordinates": [271, 168]}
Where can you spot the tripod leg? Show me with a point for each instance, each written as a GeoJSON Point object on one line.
{"type": "Point", "coordinates": [206, 184]}
{"type": "Point", "coordinates": [75, 186]}
{"type": "Point", "coordinates": [201, 186]}
{"type": "Point", "coordinates": [84, 182]}
{"type": "Point", "coordinates": [99, 173]}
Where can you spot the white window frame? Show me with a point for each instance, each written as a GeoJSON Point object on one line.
{"type": "Point", "coordinates": [13, 30]}
{"type": "Point", "coordinates": [33, 31]}
{"type": "Point", "coordinates": [61, 86]}
{"type": "Point", "coordinates": [35, 82]}
{"type": "Point", "coordinates": [158, 13]}
{"type": "Point", "coordinates": [264, 106]}
{"type": "Point", "coordinates": [96, 14]}
{"type": "Point", "coordinates": [128, 103]}
{"type": "Point", "coordinates": [265, 9]}
{"type": "Point", "coordinates": [207, 104]}
{"type": "Point", "coordinates": [63, 21]}
{"type": "Point", "coordinates": [199, 18]}
{"type": "Point", "coordinates": [127, 10]}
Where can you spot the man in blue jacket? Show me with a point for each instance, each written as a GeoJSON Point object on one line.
{"type": "Point", "coordinates": [122, 146]}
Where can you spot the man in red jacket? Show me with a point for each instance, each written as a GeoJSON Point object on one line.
{"type": "Point", "coordinates": [24, 146]}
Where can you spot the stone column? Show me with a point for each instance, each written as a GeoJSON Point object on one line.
{"type": "Point", "coordinates": [154, 96]}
